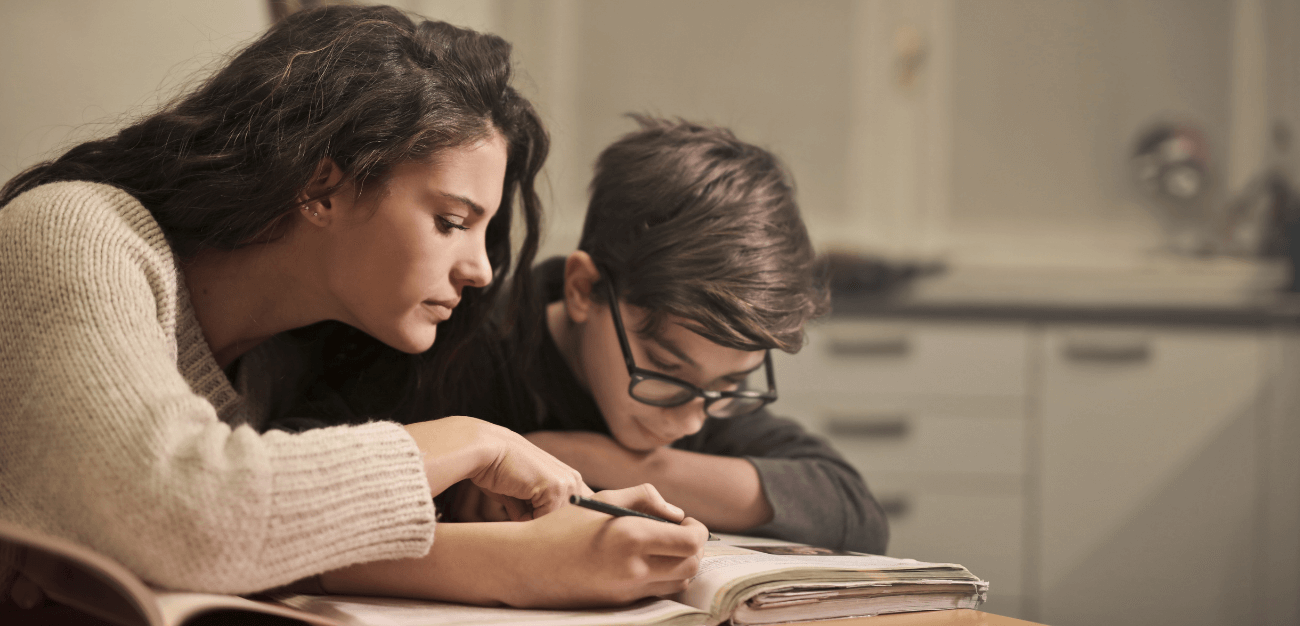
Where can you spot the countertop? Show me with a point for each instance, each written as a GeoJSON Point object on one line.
{"type": "Point", "coordinates": [1202, 292]}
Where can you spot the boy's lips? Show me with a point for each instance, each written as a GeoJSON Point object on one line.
{"type": "Point", "coordinates": [659, 440]}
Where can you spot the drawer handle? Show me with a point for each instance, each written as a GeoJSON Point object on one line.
{"type": "Point", "coordinates": [895, 507]}
{"type": "Point", "coordinates": [1108, 352]}
{"type": "Point", "coordinates": [869, 427]}
{"type": "Point", "coordinates": [879, 346]}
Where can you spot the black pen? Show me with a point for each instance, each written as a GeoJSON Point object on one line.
{"type": "Point", "coordinates": [617, 511]}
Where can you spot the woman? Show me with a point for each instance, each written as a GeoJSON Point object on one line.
{"type": "Point", "coordinates": [349, 165]}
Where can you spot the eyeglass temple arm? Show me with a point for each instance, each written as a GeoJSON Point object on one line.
{"type": "Point", "coordinates": [771, 376]}
{"type": "Point", "coordinates": [618, 325]}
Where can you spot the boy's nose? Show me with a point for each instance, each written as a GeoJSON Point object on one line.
{"type": "Point", "coordinates": [689, 419]}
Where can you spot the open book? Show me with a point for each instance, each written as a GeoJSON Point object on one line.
{"type": "Point", "coordinates": [744, 579]}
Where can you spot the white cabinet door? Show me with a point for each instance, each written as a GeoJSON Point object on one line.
{"type": "Point", "coordinates": [1148, 475]}
{"type": "Point", "coordinates": [933, 415]}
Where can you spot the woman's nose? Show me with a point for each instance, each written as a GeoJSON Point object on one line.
{"type": "Point", "coordinates": [475, 270]}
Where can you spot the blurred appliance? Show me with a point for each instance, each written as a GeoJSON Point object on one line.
{"type": "Point", "coordinates": [1171, 164]}
{"type": "Point", "coordinates": [1264, 218]}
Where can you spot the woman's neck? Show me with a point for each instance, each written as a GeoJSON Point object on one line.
{"type": "Point", "coordinates": [243, 297]}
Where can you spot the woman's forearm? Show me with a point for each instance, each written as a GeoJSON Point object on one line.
{"type": "Point", "coordinates": [464, 565]}
{"type": "Point", "coordinates": [453, 447]}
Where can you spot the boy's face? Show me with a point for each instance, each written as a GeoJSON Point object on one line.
{"type": "Point", "coordinates": [678, 352]}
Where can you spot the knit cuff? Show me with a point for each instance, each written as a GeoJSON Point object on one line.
{"type": "Point", "coordinates": [345, 495]}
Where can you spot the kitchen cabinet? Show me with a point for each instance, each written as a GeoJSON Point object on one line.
{"type": "Point", "coordinates": [934, 417]}
{"type": "Point", "coordinates": [1093, 472]}
{"type": "Point", "coordinates": [1148, 474]}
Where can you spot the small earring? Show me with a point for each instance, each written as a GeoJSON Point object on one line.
{"type": "Point", "coordinates": [315, 214]}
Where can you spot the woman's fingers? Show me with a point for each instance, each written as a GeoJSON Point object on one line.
{"type": "Point", "coordinates": [670, 568]}
{"type": "Point", "coordinates": [644, 498]}
{"type": "Point", "coordinates": [26, 593]}
{"type": "Point", "coordinates": [516, 510]}
{"type": "Point", "coordinates": [667, 540]}
{"type": "Point", "coordinates": [666, 588]}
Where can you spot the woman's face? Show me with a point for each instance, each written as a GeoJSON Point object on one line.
{"type": "Point", "coordinates": [405, 250]}
{"type": "Point", "coordinates": [678, 352]}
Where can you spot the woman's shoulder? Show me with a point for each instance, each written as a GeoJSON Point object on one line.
{"type": "Point", "coordinates": [80, 222]}
{"type": "Point", "coordinates": [79, 207]}
{"type": "Point", "coordinates": [87, 239]}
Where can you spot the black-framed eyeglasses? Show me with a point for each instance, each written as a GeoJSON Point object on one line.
{"type": "Point", "coordinates": [662, 390]}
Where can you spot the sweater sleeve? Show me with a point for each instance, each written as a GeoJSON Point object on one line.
{"type": "Point", "coordinates": [103, 441]}
{"type": "Point", "coordinates": [816, 496]}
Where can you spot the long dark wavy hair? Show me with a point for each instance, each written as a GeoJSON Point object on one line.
{"type": "Point", "coordinates": [225, 165]}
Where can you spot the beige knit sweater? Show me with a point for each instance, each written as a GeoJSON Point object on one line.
{"type": "Point", "coordinates": [119, 430]}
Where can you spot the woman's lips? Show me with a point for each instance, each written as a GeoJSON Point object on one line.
{"type": "Point", "coordinates": [441, 310]}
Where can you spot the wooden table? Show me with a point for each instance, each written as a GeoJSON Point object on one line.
{"type": "Point", "coordinates": [63, 616]}
{"type": "Point", "coordinates": [957, 617]}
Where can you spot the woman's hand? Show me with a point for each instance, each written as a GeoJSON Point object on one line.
{"type": "Point", "coordinates": [472, 504]}
{"type": "Point", "coordinates": [610, 560]}
{"type": "Point", "coordinates": [523, 478]}
{"type": "Point", "coordinates": [571, 558]}
{"type": "Point", "coordinates": [731, 501]}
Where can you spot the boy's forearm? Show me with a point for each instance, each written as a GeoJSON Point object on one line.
{"type": "Point", "coordinates": [725, 493]}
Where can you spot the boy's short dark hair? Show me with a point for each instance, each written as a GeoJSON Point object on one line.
{"type": "Point", "coordinates": [689, 221]}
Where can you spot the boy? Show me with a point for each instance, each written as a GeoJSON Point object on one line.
{"type": "Point", "coordinates": [699, 236]}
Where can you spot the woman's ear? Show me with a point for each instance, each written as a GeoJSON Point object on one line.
{"type": "Point", "coordinates": [580, 275]}
{"type": "Point", "coordinates": [322, 196]}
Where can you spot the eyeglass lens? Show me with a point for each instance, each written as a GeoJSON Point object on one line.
{"type": "Point", "coordinates": [729, 406]}
{"type": "Point", "coordinates": [664, 393]}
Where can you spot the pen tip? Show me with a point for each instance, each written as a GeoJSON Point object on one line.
{"type": "Point", "coordinates": [573, 499]}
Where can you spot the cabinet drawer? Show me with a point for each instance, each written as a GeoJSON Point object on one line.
{"type": "Point", "coordinates": [983, 531]}
{"type": "Point", "coordinates": [901, 433]}
{"type": "Point", "coordinates": [880, 357]}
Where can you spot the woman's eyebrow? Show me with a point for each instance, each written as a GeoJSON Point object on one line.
{"type": "Point", "coordinates": [473, 206]}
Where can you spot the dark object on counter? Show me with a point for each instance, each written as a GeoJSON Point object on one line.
{"type": "Point", "coordinates": [856, 274]}
{"type": "Point", "coordinates": [1293, 252]}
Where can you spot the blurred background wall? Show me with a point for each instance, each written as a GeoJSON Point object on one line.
{"type": "Point", "coordinates": [1006, 141]}
{"type": "Point", "coordinates": [1093, 405]}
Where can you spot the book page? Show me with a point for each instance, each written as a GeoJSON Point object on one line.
{"type": "Point", "coordinates": [728, 562]}
{"type": "Point", "coordinates": [177, 607]}
{"type": "Point", "coordinates": [82, 578]}
{"type": "Point", "coordinates": [399, 612]}
{"type": "Point", "coordinates": [737, 568]}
